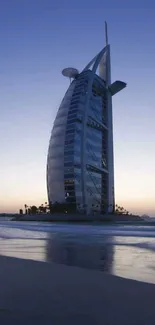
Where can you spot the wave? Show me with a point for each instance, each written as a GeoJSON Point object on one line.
{"type": "Point", "coordinates": [36, 230]}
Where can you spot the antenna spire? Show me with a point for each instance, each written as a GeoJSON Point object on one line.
{"type": "Point", "coordinates": [106, 33]}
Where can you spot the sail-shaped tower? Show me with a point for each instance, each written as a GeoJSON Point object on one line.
{"type": "Point", "coordinates": [80, 163]}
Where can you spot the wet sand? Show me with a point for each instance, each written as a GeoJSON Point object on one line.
{"type": "Point", "coordinates": [44, 293]}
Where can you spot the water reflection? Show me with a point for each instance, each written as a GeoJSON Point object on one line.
{"type": "Point", "coordinates": [127, 257]}
{"type": "Point", "coordinates": [108, 249]}
{"type": "Point", "coordinates": [134, 258]}
{"type": "Point", "coordinates": [24, 248]}
{"type": "Point", "coordinates": [81, 251]}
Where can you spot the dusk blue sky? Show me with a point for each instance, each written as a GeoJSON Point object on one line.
{"type": "Point", "coordinates": [38, 38]}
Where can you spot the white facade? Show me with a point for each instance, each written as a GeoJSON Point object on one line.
{"type": "Point", "coordinates": [80, 167]}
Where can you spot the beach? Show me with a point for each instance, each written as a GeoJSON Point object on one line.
{"type": "Point", "coordinates": [45, 293]}
{"type": "Point", "coordinates": [76, 274]}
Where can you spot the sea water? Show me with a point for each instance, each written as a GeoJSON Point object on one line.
{"type": "Point", "coordinates": [123, 250]}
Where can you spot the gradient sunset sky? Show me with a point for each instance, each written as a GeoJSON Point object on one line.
{"type": "Point", "coordinates": [38, 39]}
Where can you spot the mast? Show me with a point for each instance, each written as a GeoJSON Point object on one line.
{"type": "Point", "coordinates": [106, 33]}
{"type": "Point", "coordinates": [103, 62]}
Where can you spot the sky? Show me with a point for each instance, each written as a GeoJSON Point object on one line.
{"type": "Point", "coordinates": [38, 39]}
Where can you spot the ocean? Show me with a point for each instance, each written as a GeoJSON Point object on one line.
{"type": "Point", "coordinates": [123, 250]}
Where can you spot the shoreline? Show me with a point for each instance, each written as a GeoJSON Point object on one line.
{"type": "Point", "coordinates": [48, 293]}
{"type": "Point", "coordinates": [75, 218]}
{"type": "Point", "coordinates": [79, 218]}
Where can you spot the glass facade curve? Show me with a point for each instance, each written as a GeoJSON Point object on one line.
{"type": "Point", "coordinates": [80, 156]}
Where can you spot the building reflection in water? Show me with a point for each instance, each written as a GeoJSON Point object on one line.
{"type": "Point", "coordinates": [82, 251]}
